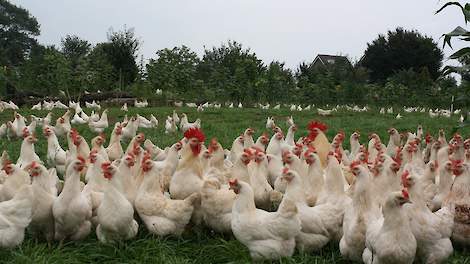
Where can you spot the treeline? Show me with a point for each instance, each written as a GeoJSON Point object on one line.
{"type": "Point", "coordinates": [401, 67]}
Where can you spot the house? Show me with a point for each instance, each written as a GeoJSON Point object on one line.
{"type": "Point", "coordinates": [323, 60]}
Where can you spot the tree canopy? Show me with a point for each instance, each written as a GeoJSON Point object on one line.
{"type": "Point", "coordinates": [18, 32]}
{"type": "Point", "coordinates": [402, 50]}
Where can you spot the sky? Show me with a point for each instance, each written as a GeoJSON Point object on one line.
{"type": "Point", "coordinates": [290, 31]}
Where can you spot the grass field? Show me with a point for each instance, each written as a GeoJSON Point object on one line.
{"type": "Point", "coordinates": [199, 245]}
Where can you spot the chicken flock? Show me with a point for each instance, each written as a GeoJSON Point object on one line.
{"type": "Point", "coordinates": [401, 202]}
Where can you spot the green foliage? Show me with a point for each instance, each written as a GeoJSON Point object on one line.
{"type": "Point", "coordinates": [173, 71]}
{"type": "Point", "coordinates": [18, 30]}
{"type": "Point", "coordinates": [399, 68]}
{"type": "Point", "coordinates": [121, 51]}
{"type": "Point", "coordinates": [74, 49]}
{"type": "Point", "coordinates": [402, 50]}
{"type": "Point", "coordinates": [97, 72]}
{"type": "Point", "coordinates": [462, 55]}
{"type": "Point", "coordinates": [232, 72]}
{"type": "Point", "coordinates": [45, 71]}
{"type": "Point", "coordinates": [279, 84]}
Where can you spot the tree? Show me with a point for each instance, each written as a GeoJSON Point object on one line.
{"type": "Point", "coordinates": [96, 71]}
{"type": "Point", "coordinates": [232, 72]}
{"type": "Point", "coordinates": [18, 30]}
{"type": "Point", "coordinates": [402, 50]}
{"type": "Point", "coordinates": [74, 48]}
{"type": "Point", "coordinates": [45, 71]}
{"type": "Point", "coordinates": [280, 83]}
{"type": "Point", "coordinates": [121, 51]}
{"type": "Point", "coordinates": [173, 70]}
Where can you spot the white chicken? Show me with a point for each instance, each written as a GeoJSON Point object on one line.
{"type": "Point", "coordinates": [15, 216]}
{"type": "Point", "coordinates": [161, 215]}
{"type": "Point", "coordinates": [115, 213]}
{"type": "Point", "coordinates": [77, 120]}
{"type": "Point", "coordinates": [100, 125]}
{"type": "Point", "coordinates": [130, 130]}
{"type": "Point", "coordinates": [267, 235]}
{"type": "Point", "coordinates": [170, 126]}
{"type": "Point", "coordinates": [114, 148]}
{"type": "Point", "coordinates": [27, 152]}
{"type": "Point", "coordinates": [358, 214]}
{"type": "Point", "coordinates": [62, 126]}
{"type": "Point", "coordinates": [431, 230]}
{"type": "Point", "coordinates": [16, 178]}
{"type": "Point", "coordinates": [185, 125]}
{"type": "Point", "coordinates": [72, 209]}
{"type": "Point", "coordinates": [188, 177]}
{"type": "Point", "coordinates": [55, 153]}
{"type": "Point", "coordinates": [389, 238]}
{"type": "Point", "coordinates": [44, 192]}
{"type": "Point", "coordinates": [216, 204]}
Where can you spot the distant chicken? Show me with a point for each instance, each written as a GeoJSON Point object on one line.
{"type": "Point", "coordinates": [100, 125]}
{"type": "Point", "coordinates": [114, 149]}
{"type": "Point", "coordinates": [130, 129]}
{"type": "Point", "coordinates": [62, 126]}
{"type": "Point", "coordinates": [55, 153]}
{"type": "Point", "coordinates": [185, 125]}
{"type": "Point", "coordinates": [170, 126]}
{"type": "Point", "coordinates": [27, 152]}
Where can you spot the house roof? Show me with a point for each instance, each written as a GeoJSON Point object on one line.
{"type": "Point", "coordinates": [331, 59]}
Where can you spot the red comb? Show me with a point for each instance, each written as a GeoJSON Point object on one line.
{"type": "Point", "coordinates": [146, 157]}
{"type": "Point", "coordinates": [310, 149]}
{"type": "Point", "coordinates": [264, 134]}
{"type": "Point", "coordinates": [6, 163]}
{"type": "Point", "coordinates": [105, 165]}
{"type": "Point", "coordinates": [317, 124]}
{"type": "Point", "coordinates": [456, 162]}
{"type": "Point", "coordinates": [248, 152]}
{"type": "Point", "coordinates": [405, 194]}
{"type": "Point", "coordinates": [285, 170]}
{"type": "Point", "coordinates": [285, 153]}
{"type": "Point", "coordinates": [404, 176]}
{"type": "Point", "coordinates": [81, 159]}
{"type": "Point", "coordinates": [354, 164]}
{"type": "Point", "coordinates": [195, 133]}
{"type": "Point", "coordinates": [103, 135]}
{"type": "Point", "coordinates": [25, 132]}
{"type": "Point", "coordinates": [233, 182]}
{"type": "Point", "coordinates": [34, 164]}
{"type": "Point", "coordinates": [428, 138]}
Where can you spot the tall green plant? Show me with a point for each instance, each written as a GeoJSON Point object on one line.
{"type": "Point", "coordinates": [462, 54]}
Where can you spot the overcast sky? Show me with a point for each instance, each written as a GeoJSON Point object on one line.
{"type": "Point", "coordinates": [286, 30]}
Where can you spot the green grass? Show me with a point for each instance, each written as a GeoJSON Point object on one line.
{"type": "Point", "coordinates": [199, 245]}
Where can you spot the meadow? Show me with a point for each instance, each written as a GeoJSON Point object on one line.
{"type": "Point", "coordinates": [200, 245]}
